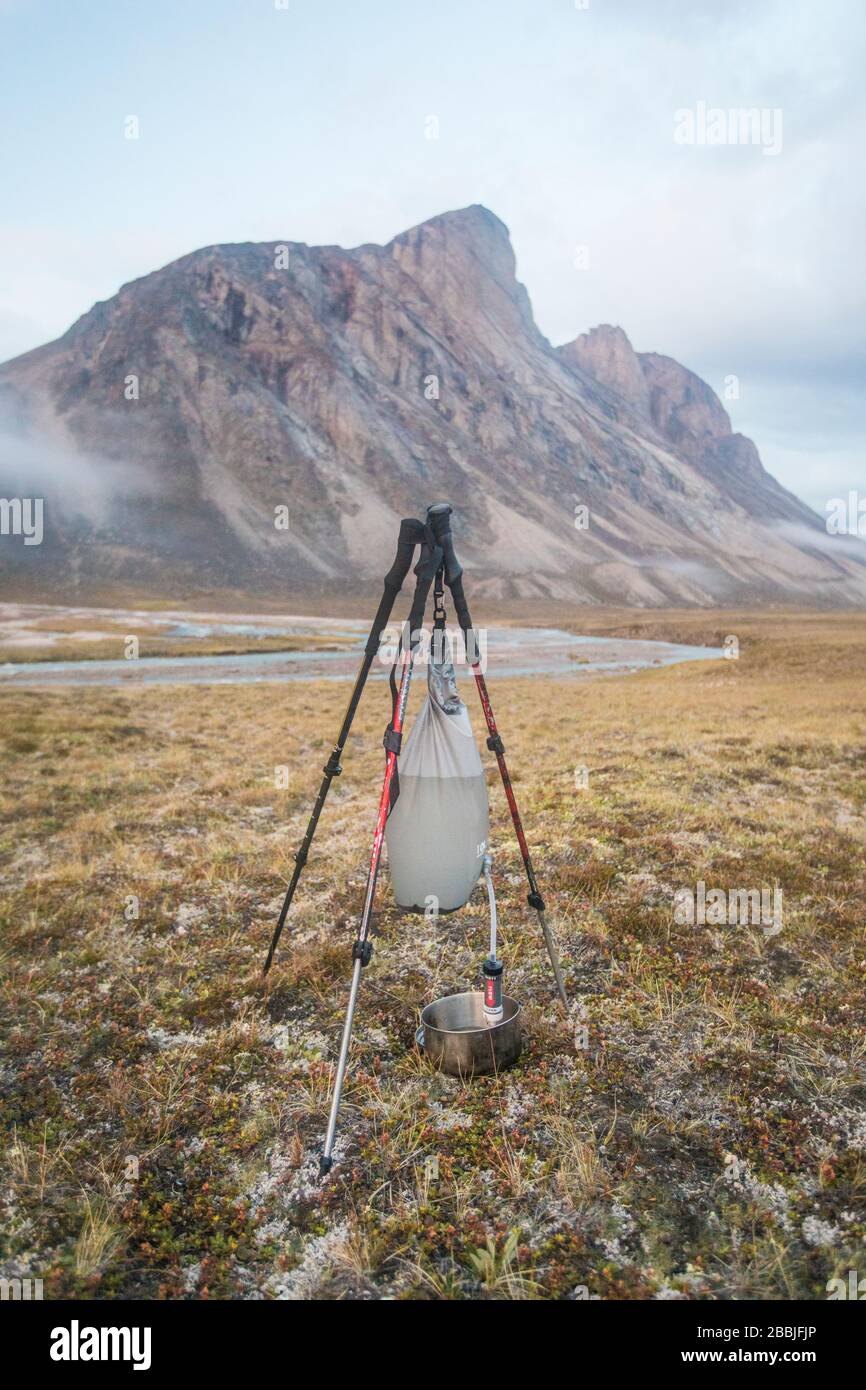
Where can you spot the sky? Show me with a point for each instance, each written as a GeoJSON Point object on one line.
{"type": "Point", "coordinates": [741, 253]}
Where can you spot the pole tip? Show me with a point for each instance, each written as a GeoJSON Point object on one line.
{"type": "Point", "coordinates": [326, 1163]}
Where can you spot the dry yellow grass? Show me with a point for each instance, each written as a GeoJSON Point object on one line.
{"type": "Point", "coordinates": [696, 1126]}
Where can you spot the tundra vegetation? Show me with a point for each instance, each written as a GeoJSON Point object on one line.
{"type": "Point", "coordinates": [695, 1129]}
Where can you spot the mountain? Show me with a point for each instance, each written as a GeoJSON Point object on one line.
{"type": "Point", "coordinates": [167, 425]}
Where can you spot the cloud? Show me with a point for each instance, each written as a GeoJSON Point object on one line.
{"type": "Point", "coordinates": [849, 547]}
{"type": "Point", "coordinates": [73, 484]}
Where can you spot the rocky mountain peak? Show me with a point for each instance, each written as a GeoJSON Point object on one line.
{"type": "Point", "coordinates": [474, 224]}
{"type": "Point", "coordinates": [606, 355]}
{"type": "Point", "coordinates": [665, 400]}
{"type": "Point", "coordinates": [682, 406]}
{"type": "Point", "coordinates": [351, 387]}
{"type": "Point", "coordinates": [466, 258]}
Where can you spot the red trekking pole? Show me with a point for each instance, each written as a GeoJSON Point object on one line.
{"type": "Point", "coordinates": [439, 521]}
{"type": "Point", "coordinates": [362, 948]}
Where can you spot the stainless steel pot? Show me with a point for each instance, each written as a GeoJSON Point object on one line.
{"type": "Point", "coordinates": [455, 1037]}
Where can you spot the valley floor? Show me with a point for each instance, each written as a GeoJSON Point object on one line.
{"type": "Point", "coordinates": [695, 1129]}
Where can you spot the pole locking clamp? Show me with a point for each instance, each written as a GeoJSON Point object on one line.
{"type": "Point", "coordinates": [392, 741]}
{"type": "Point", "coordinates": [362, 951]}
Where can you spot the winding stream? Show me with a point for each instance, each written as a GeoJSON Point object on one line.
{"type": "Point", "coordinates": [510, 651]}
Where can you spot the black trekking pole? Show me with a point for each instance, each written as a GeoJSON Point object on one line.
{"type": "Point", "coordinates": [362, 947]}
{"type": "Point", "coordinates": [439, 520]}
{"type": "Point", "coordinates": [412, 533]}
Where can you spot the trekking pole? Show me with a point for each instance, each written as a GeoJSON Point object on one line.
{"type": "Point", "coordinates": [439, 520]}
{"type": "Point", "coordinates": [362, 947]}
{"type": "Point", "coordinates": [412, 533]}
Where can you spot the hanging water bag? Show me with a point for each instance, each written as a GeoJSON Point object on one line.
{"type": "Point", "coordinates": [438, 829]}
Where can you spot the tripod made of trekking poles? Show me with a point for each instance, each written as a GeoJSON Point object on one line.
{"type": "Point", "coordinates": [437, 559]}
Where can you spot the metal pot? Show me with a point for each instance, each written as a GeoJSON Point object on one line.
{"type": "Point", "coordinates": [455, 1037]}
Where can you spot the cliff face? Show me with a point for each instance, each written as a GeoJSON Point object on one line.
{"type": "Point", "coordinates": [353, 387]}
{"type": "Point", "coordinates": [668, 402]}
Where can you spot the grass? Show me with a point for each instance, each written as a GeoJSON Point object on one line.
{"type": "Point", "coordinates": [694, 1129]}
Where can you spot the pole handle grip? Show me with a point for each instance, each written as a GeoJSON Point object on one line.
{"type": "Point", "coordinates": [412, 533]}
{"type": "Point", "coordinates": [439, 521]}
{"type": "Point", "coordinates": [425, 570]}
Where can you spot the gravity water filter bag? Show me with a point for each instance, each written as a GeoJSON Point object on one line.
{"type": "Point", "coordinates": [438, 830]}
